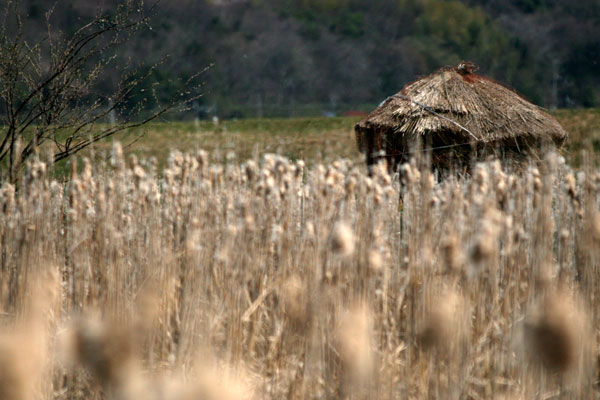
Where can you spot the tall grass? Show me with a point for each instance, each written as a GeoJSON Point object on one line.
{"type": "Point", "coordinates": [273, 280]}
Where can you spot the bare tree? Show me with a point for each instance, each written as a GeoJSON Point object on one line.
{"type": "Point", "coordinates": [50, 87]}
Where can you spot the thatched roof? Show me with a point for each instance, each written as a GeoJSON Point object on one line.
{"type": "Point", "coordinates": [463, 105]}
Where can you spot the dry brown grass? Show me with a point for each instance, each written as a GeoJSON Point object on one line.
{"type": "Point", "coordinates": [274, 280]}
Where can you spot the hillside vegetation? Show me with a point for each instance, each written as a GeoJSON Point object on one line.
{"type": "Point", "coordinates": [304, 57]}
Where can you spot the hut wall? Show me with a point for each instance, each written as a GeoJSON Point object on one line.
{"type": "Point", "coordinates": [445, 150]}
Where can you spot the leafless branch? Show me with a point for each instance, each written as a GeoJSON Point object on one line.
{"type": "Point", "coordinates": [49, 88]}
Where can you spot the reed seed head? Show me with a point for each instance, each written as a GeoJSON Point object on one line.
{"type": "Point", "coordinates": [342, 239]}
{"type": "Point", "coordinates": [446, 326]}
{"type": "Point", "coordinates": [556, 331]}
{"type": "Point", "coordinates": [105, 349]}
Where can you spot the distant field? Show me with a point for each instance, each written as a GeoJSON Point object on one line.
{"type": "Point", "coordinates": [315, 140]}
{"type": "Point", "coordinates": [312, 139]}
{"type": "Point", "coordinates": [583, 127]}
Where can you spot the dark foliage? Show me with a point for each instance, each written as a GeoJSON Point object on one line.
{"type": "Point", "coordinates": [280, 57]}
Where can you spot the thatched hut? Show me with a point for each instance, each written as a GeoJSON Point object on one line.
{"type": "Point", "coordinates": [457, 115]}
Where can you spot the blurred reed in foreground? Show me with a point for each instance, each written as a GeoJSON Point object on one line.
{"type": "Point", "coordinates": [272, 280]}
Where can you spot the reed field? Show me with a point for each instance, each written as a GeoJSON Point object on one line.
{"type": "Point", "coordinates": [256, 276]}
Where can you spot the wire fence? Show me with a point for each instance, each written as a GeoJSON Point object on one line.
{"type": "Point", "coordinates": [228, 111]}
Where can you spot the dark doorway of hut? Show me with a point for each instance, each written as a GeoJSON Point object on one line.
{"type": "Point", "coordinates": [427, 151]}
{"type": "Point", "coordinates": [455, 118]}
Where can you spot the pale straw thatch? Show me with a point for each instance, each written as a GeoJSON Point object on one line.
{"type": "Point", "coordinates": [456, 113]}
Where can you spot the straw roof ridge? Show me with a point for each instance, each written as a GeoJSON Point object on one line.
{"type": "Point", "coordinates": [454, 100]}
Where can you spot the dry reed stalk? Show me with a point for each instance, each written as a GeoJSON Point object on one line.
{"type": "Point", "coordinates": [354, 345]}
{"type": "Point", "coordinates": [24, 346]}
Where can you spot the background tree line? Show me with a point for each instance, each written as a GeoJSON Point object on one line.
{"type": "Point", "coordinates": [277, 57]}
